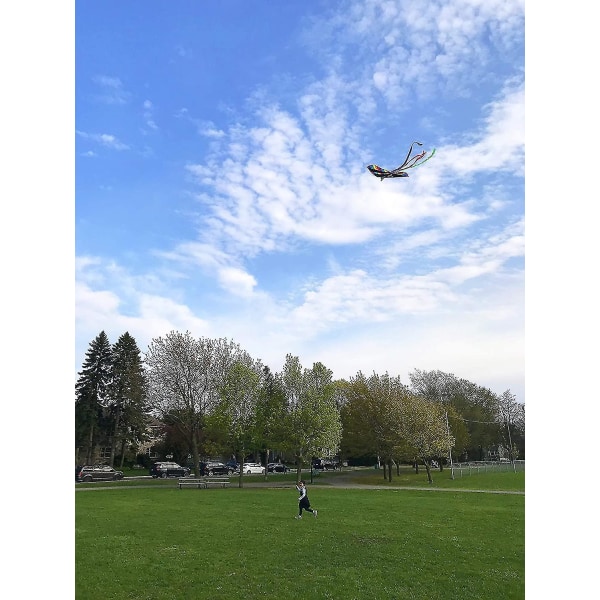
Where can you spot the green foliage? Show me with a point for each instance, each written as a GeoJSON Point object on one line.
{"type": "Point", "coordinates": [91, 397]}
{"type": "Point", "coordinates": [127, 395]}
{"type": "Point", "coordinates": [313, 425]}
{"type": "Point", "coordinates": [214, 399]}
{"type": "Point", "coordinates": [371, 416]}
{"type": "Point", "coordinates": [110, 405]}
{"type": "Point", "coordinates": [478, 419]}
{"type": "Point", "coordinates": [186, 377]}
{"type": "Point", "coordinates": [170, 544]}
{"type": "Point", "coordinates": [423, 426]}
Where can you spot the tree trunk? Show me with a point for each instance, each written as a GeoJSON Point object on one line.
{"type": "Point", "coordinates": [242, 455]}
{"type": "Point", "coordinates": [428, 472]}
{"type": "Point", "coordinates": [123, 444]}
{"type": "Point", "coordinates": [113, 442]}
{"type": "Point", "coordinates": [88, 454]}
{"type": "Point", "coordinates": [266, 464]}
{"type": "Point", "coordinates": [196, 456]}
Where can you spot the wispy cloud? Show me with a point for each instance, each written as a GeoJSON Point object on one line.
{"type": "Point", "coordinates": [103, 139]}
{"type": "Point", "coordinates": [148, 113]}
{"type": "Point", "coordinates": [111, 90]}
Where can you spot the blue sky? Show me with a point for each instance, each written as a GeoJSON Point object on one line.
{"type": "Point", "coordinates": [221, 186]}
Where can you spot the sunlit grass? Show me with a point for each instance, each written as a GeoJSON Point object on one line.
{"type": "Point", "coordinates": [166, 543]}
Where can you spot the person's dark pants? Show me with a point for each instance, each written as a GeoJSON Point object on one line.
{"type": "Point", "coordinates": [304, 504]}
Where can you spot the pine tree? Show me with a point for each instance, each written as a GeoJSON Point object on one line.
{"type": "Point", "coordinates": [127, 396]}
{"type": "Point", "coordinates": [91, 394]}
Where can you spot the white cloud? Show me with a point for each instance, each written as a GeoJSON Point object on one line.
{"type": "Point", "coordinates": [148, 113]}
{"type": "Point", "coordinates": [112, 90]}
{"type": "Point", "coordinates": [237, 281]}
{"type": "Point", "coordinates": [104, 139]}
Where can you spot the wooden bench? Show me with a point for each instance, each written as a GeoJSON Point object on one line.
{"type": "Point", "coordinates": [190, 482]}
{"type": "Point", "coordinates": [203, 482]}
{"type": "Point", "coordinates": [216, 481]}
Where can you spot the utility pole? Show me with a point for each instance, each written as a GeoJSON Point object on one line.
{"type": "Point", "coordinates": [510, 446]}
{"type": "Point", "coordinates": [449, 447]}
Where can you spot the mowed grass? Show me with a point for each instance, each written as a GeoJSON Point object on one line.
{"type": "Point", "coordinates": [490, 479]}
{"type": "Point", "coordinates": [166, 543]}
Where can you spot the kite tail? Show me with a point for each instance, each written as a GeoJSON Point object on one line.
{"type": "Point", "coordinates": [408, 155]}
{"type": "Point", "coordinates": [425, 160]}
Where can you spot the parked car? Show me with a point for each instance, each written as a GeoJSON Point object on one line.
{"type": "Point", "coordinates": [324, 464]}
{"type": "Point", "coordinates": [97, 473]}
{"type": "Point", "coordinates": [168, 469]}
{"type": "Point", "coordinates": [253, 468]}
{"type": "Point", "coordinates": [277, 468]}
{"type": "Point", "coordinates": [234, 465]}
{"type": "Point", "coordinates": [215, 468]}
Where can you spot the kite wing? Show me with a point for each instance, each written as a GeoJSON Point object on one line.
{"type": "Point", "coordinates": [383, 173]}
{"type": "Point", "coordinates": [409, 163]}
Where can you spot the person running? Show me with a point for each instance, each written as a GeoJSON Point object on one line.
{"type": "Point", "coordinates": [303, 501]}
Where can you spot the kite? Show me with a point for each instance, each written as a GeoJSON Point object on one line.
{"type": "Point", "coordinates": [409, 163]}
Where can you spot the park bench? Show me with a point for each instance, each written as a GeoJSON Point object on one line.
{"type": "Point", "coordinates": [203, 482]}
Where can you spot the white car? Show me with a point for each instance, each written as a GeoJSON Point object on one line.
{"type": "Point", "coordinates": [250, 468]}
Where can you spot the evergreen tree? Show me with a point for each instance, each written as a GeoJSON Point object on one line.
{"type": "Point", "coordinates": [127, 392]}
{"type": "Point", "coordinates": [91, 395]}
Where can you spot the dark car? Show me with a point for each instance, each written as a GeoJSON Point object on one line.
{"type": "Point", "coordinates": [168, 469]}
{"type": "Point", "coordinates": [233, 464]}
{"type": "Point", "coordinates": [324, 464]}
{"type": "Point", "coordinates": [97, 473]}
{"type": "Point", "coordinates": [277, 468]}
{"type": "Point", "coordinates": [211, 468]}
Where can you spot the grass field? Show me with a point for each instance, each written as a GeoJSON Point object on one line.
{"type": "Point", "coordinates": [166, 543]}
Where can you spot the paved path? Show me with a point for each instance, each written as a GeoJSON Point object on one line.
{"type": "Point", "coordinates": [344, 482]}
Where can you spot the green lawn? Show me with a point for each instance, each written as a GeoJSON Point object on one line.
{"type": "Point", "coordinates": [166, 543]}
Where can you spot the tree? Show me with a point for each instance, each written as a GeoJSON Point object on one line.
{"type": "Point", "coordinates": [423, 425]}
{"type": "Point", "coordinates": [271, 414]}
{"type": "Point", "coordinates": [313, 422]}
{"type": "Point", "coordinates": [91, 396]}
{"type": "Point", "coordinates": [471, 410]}
{"type": "Point", "coordinates": [127, 396]}
{"type": "Point", "coordinates": [511, 415]}
{"type": "Point", "coordinates": [371, 418]}
{"type": "Point", "coordinates": [185, 380]}
{"type": "Point", "coordinates": [240, 394]}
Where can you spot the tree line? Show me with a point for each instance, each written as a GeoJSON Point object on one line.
{"type": "Point", "coordinates": [214, 399]}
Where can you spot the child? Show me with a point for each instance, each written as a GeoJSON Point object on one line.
{"type": "Point", "coordinates": [303, 502]}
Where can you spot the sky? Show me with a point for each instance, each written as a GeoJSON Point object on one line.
{"type": "Point", "coordinates": [221, 184]}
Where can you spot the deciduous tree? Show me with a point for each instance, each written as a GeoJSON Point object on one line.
{"type": "Point", "coordinates": [423, 425]}
{"type": "Point", "coordinates": [185, 379]}
{"type": "Point", "coordinates": [313, 420]}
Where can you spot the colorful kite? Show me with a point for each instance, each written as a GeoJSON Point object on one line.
{"type": "Point", "coordinates": [409, 163]}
